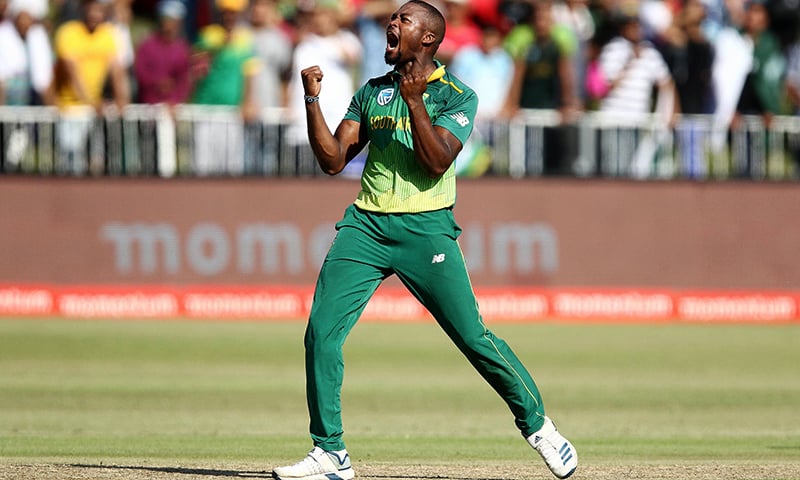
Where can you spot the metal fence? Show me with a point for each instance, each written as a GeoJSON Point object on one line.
{"type": "Point", "coordinates": [194, 140]}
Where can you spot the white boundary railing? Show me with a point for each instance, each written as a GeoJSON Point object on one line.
{"type": "Point", "coordinates": [197, 140]}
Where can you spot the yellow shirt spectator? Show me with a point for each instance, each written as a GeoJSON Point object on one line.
{"type": "Point", "coordinates": [92, 55]}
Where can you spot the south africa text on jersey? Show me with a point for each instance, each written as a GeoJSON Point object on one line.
{"type": "Point", "coordinates": [388, 122]}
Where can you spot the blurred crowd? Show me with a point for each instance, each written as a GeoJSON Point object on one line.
{"type": "Point", "coordinates": [726, 58]}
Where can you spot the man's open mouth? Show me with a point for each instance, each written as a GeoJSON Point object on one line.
{"type": "Point", "coordinates": [392, 41]}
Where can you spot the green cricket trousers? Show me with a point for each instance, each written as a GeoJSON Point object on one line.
{"type": "Point", "coordinates": [421, 249]}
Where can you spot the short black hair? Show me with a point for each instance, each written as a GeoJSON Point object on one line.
{"type": "Point", "coordinates": [434, 19]}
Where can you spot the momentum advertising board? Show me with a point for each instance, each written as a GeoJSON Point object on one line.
{"type": "Point", "coordinates": [535, 248]}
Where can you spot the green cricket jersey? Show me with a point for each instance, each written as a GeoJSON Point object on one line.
{"type": "Point", "coordinates": [392, 180]}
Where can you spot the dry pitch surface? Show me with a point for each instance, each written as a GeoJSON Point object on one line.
{"type": "Point", "coordinates": [404, 472]}
{"type": "Point", "coordinates": [178, 401]}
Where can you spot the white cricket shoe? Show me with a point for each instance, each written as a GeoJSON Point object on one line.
{"type": "Point", "coordinates": [318, 465]}
{"type": "Point", "coordinates": [558, 453]}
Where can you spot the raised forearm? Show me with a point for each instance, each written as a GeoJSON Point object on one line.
{"type": "Point", "coordinates": [432, 152]}
{"type": "Point", "coordinates": [326, 147]}
{"type": "Point", "coordinates": [333, 150]}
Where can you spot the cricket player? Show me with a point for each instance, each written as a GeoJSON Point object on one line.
{"type": "Point", "coordinates": [415, 119]}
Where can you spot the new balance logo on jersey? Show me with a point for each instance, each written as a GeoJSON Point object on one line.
{"type": "Point", "coordinates": [461, 118]}
{"type": "Point", "coordinates": [438, 258]}
{"type": "Point", "coordinates": [385, 96]}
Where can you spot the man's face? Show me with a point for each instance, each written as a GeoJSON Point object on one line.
{"type": "Point", "coordinates": [171, 27]}
{"type": "Point", "coordinates": [264, 13]}
{"type": "Point", "coordinates": [404, 34]}
{"type": "Point", "coordinates": [23, 23]}
{"type": "Point", "coordinates": [756, 18]}
{"type": "Point", "coordinates": [94, 14]}
{"type": "Point", "coordinates": [632, 31]}
{"type": "Point", "coordinates": [229, 18]}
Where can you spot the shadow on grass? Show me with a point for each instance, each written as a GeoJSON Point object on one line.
{"type": "Point", "coordinates": [213, 472]}
{"type": "Point", "coordinates": [210, 472]}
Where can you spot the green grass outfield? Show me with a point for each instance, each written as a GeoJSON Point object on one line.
{"type": "Point", "coordinates": [215, 394]}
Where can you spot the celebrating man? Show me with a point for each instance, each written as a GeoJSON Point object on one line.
{"type": "Point", "coordinates": [416, 120]}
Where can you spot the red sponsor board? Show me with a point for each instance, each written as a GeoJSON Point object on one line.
{"type": "Point", "coordinates": [391, 304]}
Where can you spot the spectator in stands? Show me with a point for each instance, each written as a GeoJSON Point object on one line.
{"type": "Point", "coordinates": [462, 31]}
{"type": "Point", "coordinates": [371, 28]}
{"type": "Point", "coordinates": [338, 51]}
{"type": "Point", "coordinates": [472, 63]}
{"type": "Point", "coordinates": [226, 65]}
{"type": "Point", "coordinates": [26, 72]}
{"type": "Point", "coordinates": [575, 15]}
{"type": "Point", "coordinates": [746, 73]}
{"type": "Point", "coordinates": [121, 15]}
{"type": "Point", "coordinates": [87, 55]}
{"type": "Point", "coordinates": [225, 61]}
{"type": "Point", "coordinates": [690, 55]}
{"type": "Point", "coordinates": [633, 68]}
{"type": "Point", "coordinates": [733, 59]}
{"type": "Point", "coordinates": [542, 51]}
{"type": "Point", "coordinates": [274, 49]}
{"type": "Point", "coordinates": [544, 79]}
{"type": "Point", "coordinates": [761, 92]}
{"type": "Point", "coordinates": [162, 59]}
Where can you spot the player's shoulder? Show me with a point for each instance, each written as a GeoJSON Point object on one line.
{"type": "Point", "coordinates": [455, 87]}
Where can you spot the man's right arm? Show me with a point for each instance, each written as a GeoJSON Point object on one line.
{"type": "Point", "coordinates": [333, 151]}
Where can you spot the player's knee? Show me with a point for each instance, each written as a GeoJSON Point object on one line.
{"type": "Point", "coordinates": [476, 345]}
{"type": "Point", "coordinates": [321, 345]}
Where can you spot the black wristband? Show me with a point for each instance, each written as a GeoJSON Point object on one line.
{"type": "Point", "coordinates": [311, 98]}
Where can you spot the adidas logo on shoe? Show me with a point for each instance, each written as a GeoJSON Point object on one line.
{"type": "Point", "coordinates": [556, 451]}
